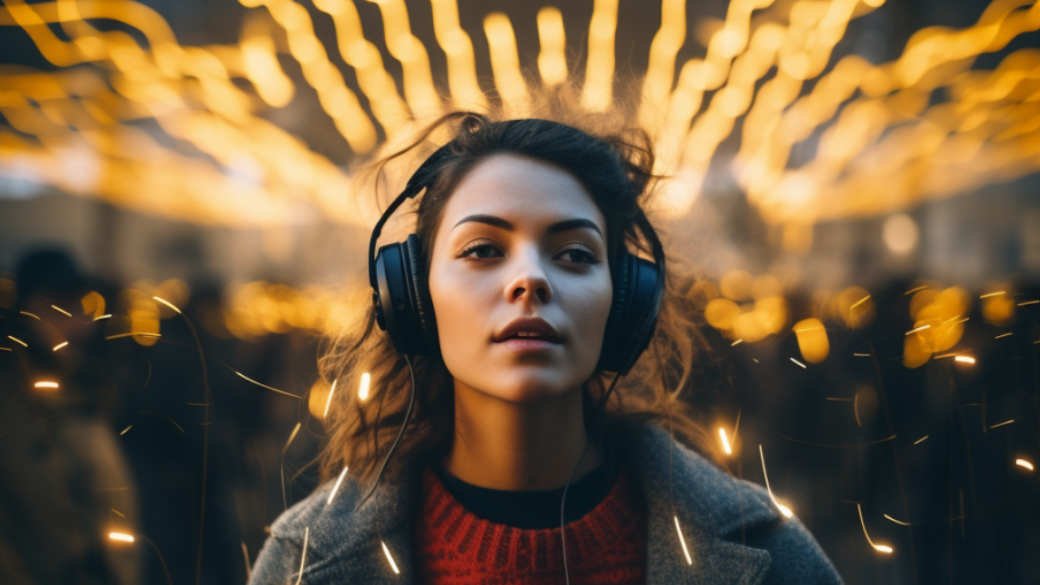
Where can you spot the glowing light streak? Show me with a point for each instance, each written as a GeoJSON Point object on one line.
{"type": "Point", "coordinates": [118, 536]}
{"type": "Point", "coordinates": [265, 386]}
{"type": "Point", "coordinates": [118, 513]}
{"type": "Point", "coordinates": [132, 334]}
{"type": "Point", "coordinates": [29, 314]}
{"type": "Point", "coordinates": [552, 59]}
{"type": "Point", "coordinates": [1002, 424]}
{"type": "Point", "coordinates": [403, 45]}
{"type": "Point", "coordinates": [62, 311]}
{"type": "Point", "coordinates": [597, 93]}
{"type": "Point", "coordinates": [167, 303]}
{"type": "Point", "coordinates": [1025, 464]}
{"type": "Point", "coordinates": [859, 302]}
{"type": "Point", "coordinates": [724, 440]}
{"type": "Point", "coordinates": [797, 363]}
{"type": "Point", "coordinates": [364, 386]}
{"type": "Point", "coordinates": [1031, 302]}
{"type": "Point", "coordinates": [860, 354]}
{"type": "Point", "coordinates": [964, 359]}
{"type": "Point", "coordinates": [336, 486]}
{"type": "Point", "coordinates": [682, 541]}
{"type": "Point", "coordinates": [921, 440]}
{"type": "Point", "coordinates": [457, 46]}
{"type": "Point", "coordinates": [992, 294]}
{"type": "Point", "coordinates": [126, 430]}
{"type": "Point", "coordinates": [882, 548]}
{"type": "Point", "coordinates": [103, 317]}
{"type": "Point", "coordinates": [245, 557]}
{"type": "Point", "coordinates": [918, 329]}
{"type": "Point", "coordinates": [855, 409]}
{"type": "Point", "coordinates": [46, 385]}
{"type": "Point", "coordinates": [915, 290]}
{"type": "Point", "coordinates": [292, 437]}
{"type": "Point", "coordinates": [737, 342]}
{"type": "Point", "coordinates": [784, 509]}
{"type": "Point", "coordinates": [1003, 335]}
{"type": "Point", "coordinates": [328, 399]}
{"type": "Point", "coordinates": [895, 521]}
{"type": "Point", "coordinates": [664, 48]}
{"type": "Point", "coordinates": [60, 346]}
{"type": "Point", "coordinates": [505, 64]}
{"type": "Point", "coordinates": [390, 558]}
{"type": "Point", "coordinates": [303, 553]}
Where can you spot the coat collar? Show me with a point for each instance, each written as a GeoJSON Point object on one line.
{"type": "Point", "coordinates": [681, 491]}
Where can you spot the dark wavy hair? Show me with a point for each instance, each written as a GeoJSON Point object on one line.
{"type": "Point", "coordinates": [617, 171]}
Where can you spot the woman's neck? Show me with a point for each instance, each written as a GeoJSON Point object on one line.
{"type": "Point", "coordinates": [519, 446]}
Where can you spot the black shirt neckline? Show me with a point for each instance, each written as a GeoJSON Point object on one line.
{"type": "Point", "coordinates": [533, 509]}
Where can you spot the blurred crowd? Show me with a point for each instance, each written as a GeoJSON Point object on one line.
{"type": "Point", "coordinates": [129, 463]}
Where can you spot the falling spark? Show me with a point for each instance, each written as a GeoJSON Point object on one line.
{"type": "Point", "coordinates": [1002, 424]}
{"type": "Point", "coordinates": [725, 441]}
{"type": "Point", "coordinates": [879, 547]}
{"type": "Point", "coordinates": [328, 399]}
{"type": "Point", "coordinates": [858, 354]}
{"type": "Point", "coordinates": [46, 385]}
{"type": "Point", "coordinates": [118, 513]}
{"type": "Point", "coordinates": [899, 522]}
{"type": "Point", "coordinates": [859, 302]}
{"type": "Point", "coordinates": [159, 299]}
{"type": "Point", "coordinates": [1003, 335]}
{"type": "Point", "coordinates": [918, 329]}
{"type": "Point", "coordinates": [131, 334]}
{"type": "Point", "coordinates": [61, 345]}
{"type": "Point", "coordinates": [364, 386]}
{"type": "Point", "coordinates": [390, 558]}
{"type": "Point", "coordinates": [126, 430]}
{"type": "Point", "coordinates": [855, 409]}
{"type": "Point", "coordinates": [105, 316]}
{"type": "Point", "coordinates": [784, 509]}
{"type": "Point", "coordinates": [117, 536]}
{"type": "Point", "coordinates": [265, 386]}
{"type": "Point", "coordinates": [915, 289]}
{"type": "Point", "coordinates": [737, 342]}
{"type": "Point", "coordinates": [965, 359]}
{"type": "Point", "coordinates": [682, 541]}
{"type": "Point", "coordinates": [18, 341]}
{"type": "Point", "coordinates": [1027, 303]}
{"type": "Point", "coordinates": [921, 440]}
{"type": "Point", "coordinates": [292, 437]}
{"type": "Point", "coordinates": [797, 363]}
{"type": "Point", "coordinates": [993, 294]}
{"type": "Point", "coordinates": [1025, 464]}
{"type": "Point", "coordinates": [62, 311]}
{"type": "Point", "coordinates": [4, 348]}
{"type": "Point", "coordinates": [303, 553]}
{"type": "Point", "coordinates": [335, 486]}
{"type": "Point", "coordinates": [30, 315]}
{"type": "Point", "coordinates": [245, 557]}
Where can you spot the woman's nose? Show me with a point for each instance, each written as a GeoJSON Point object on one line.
{"type": "Point", "coordinates": [531, 283]}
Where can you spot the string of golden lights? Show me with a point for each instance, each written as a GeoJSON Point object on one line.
{"type": "Point", "coordinates": [884, 142]}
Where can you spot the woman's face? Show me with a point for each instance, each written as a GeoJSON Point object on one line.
{"type": "Point", "coordinates": [520, 238]}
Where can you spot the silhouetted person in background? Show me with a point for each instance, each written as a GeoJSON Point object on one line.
{"type": "Point", "coordinates": [64, 482]}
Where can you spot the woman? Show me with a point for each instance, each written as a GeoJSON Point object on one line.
{"type": "Point", "coordinates": [519, 464]}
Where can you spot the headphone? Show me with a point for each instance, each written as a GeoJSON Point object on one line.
{"type": "Point", "coordinates": [403, 308]}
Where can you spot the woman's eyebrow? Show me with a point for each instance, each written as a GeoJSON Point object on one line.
{"type": "Point", "coordinates": [560, 226]}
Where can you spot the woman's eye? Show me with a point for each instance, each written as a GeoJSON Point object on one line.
{"type": "Point", "coordinates": [580, 256]}
{"type": "Point", "coordinates": [470, 250]}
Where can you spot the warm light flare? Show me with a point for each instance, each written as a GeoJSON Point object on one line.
{"type": "Point", "coordinates": [724, 440]}
{"type": "Point", "coordinates": [364, 386]}
{"type": "Point", "coordinates": [119, 536]}
{"type": "Point", "coordinates": [880, 547]}
{"type": "Point", "coordinates": [390, 558]}
{"type": "Point", "coordinates": [682, 541]}
{"type": "Point", "coordinates": [46, 385]}
{"type": "Point", "coordinates": [1025, 464]}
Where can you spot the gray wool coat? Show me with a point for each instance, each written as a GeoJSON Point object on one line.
{"type": "Point", "coordinates": [732, 531]}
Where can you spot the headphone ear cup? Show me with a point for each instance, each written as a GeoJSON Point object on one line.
{"type": "Point", "coordinates": [395, 311]}
{"type": "Point", "coordinates": [420, 293]}
{"type": "Point", "coordinates": [633, 315]}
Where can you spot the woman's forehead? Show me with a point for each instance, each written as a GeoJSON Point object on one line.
{"type": "Point", "coordinates": [522, 191]}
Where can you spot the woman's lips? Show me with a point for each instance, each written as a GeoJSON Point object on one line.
{"type": "Point", "coordinates": [529, 344]}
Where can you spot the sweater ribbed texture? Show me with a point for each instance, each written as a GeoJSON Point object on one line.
{"type": "Point", "coordinates": [606, 546]}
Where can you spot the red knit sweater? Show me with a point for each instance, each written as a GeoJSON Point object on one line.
{"type": "Point", "coordinates": [606, 546]}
